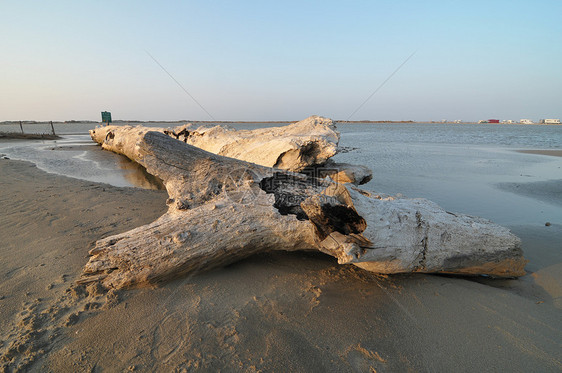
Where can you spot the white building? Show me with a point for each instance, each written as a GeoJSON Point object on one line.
{"type": "Point", "coordinates": [526, 121]}
{"type": "Point", "coordinates": [549, 121]}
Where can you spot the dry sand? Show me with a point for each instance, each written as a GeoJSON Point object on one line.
{"type": "Point", "coordinates": [272, 312]}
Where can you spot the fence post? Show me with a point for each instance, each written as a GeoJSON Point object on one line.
{"type": "Point", "coordinates": [53, 128]}
{"type": "Point", "coordinates": [21, 127]}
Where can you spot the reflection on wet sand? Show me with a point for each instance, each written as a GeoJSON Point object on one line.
{"type": "Point", "coordinates": [551, 152]}
{"type": "Point", "coordinates": [138, 176]}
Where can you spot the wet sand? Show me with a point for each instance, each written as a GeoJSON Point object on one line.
{"type": "Point", "coordinates": [26, 136]}
{"type": "Point", "coordinates": [555, 153]}
{"type": "Point", "coordinates": [272, 312]}
{"type": "Point", "coordinates": [549, 191]}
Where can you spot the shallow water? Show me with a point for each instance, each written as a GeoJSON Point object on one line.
{"type": "Point", "coordinates": [77, 156]}
{"type": "Point", "coordinates": [461, 166]}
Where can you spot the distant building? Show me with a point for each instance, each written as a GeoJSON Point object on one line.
{"type": "Point", "coordinates": [507, 121]}
{"type": "Point", "coordinates": [526, 121]}
{"type": "Point", "coordinates": [549, 121]}
{"type": "Point", "coordinates": [493, 120]}
{"type": "Point", "coordinates": [482, 121]}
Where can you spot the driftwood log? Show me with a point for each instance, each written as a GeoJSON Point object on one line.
{"type": "Point", "coordinates": [223, 209]}
{"type": "Point", "coordinates": [311, 141]}
{"type": "Point", "coordinates": [302, 146]}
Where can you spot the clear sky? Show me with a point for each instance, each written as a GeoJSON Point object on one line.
{"type": "Point", "coordinates": [282, 60]}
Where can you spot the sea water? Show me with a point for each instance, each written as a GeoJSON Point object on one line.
{"type": "Point", "coordinates": [462, 167]}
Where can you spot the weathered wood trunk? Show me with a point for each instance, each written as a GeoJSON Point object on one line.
{"type": "Point", "coordinates": [304, 146]}
{"type": "Point", "coordinates": [223, 209]}
{"type": "Point", "coordinates": [311, 141]}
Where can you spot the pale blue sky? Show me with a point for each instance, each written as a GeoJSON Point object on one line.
{"type": "Point", "coordinates": [285, 60]}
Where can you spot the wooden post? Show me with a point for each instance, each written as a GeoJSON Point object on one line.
{"type": "Point", "coordinates": [21, 127]}
{"type": "Point", "coordinates": [53, 128]}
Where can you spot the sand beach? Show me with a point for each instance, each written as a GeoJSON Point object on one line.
{"type": "Point", "coordinates": [272, 312]}
{"type": "Point", "coordinates": [192, 248]}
